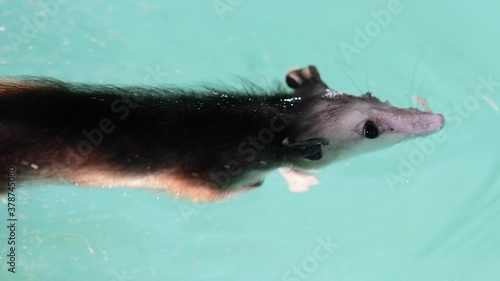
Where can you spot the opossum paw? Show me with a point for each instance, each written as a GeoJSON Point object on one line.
{"type": "Point", "coordinates": [298, 181]}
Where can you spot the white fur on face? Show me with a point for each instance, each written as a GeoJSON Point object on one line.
{"type": "Point", "coordinates": [345, 133]}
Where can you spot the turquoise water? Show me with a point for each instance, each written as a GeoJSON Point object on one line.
{"type": "Point", "coordinates": [417, 211]}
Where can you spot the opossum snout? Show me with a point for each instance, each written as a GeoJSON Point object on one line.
{"type": "Point", "coordinates": [437, 122]}
{"type": "Point", "coordinates": [428, 123]}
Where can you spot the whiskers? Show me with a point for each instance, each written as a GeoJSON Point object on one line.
{"type": "Point", "coordinates": [422, 90]}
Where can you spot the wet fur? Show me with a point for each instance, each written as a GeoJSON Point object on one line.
{"type": "Point", "coordinates": [162, 136]}
{"type": "Point", "coordinates": [192, 143]}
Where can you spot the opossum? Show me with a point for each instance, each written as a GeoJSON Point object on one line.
{"type": "Point", "coordinates": [205, 144]}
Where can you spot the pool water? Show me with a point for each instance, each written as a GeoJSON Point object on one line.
{"type": "Point", "coordinates": [420, 210]}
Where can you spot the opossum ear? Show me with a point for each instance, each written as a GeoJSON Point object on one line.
{"type": "Point", "coordinates": [303, 77]}
{"type": "Point", "coordinates": [309, 149]}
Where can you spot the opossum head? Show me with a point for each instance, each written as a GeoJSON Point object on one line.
{"type": "Point", "coordinates": [336, 125]}
{"type": "Point", "coordinates": [356, 124]}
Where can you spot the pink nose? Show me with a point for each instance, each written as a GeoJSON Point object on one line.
{"type": "Point", "coordinates": [436, 122]}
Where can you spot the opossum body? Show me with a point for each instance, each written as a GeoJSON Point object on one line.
{"type": "Point", "coordinates": [206, 144]}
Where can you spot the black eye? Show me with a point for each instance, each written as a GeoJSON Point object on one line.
{"type": "Point", "coordinates": [370, 130]}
